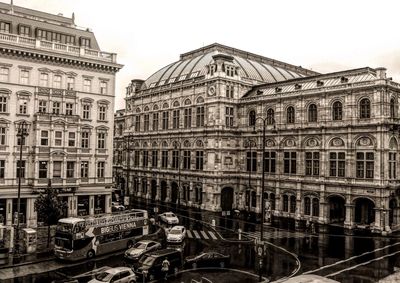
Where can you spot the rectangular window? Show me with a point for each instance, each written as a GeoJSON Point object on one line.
{"type": "Point", "coordinates": [175, 159]}
{"type": "Point", "coordinates": [5, 27]}
{"type": "Point", "coordinates": [24, 77]}
{"type": "Point", "coordinates": [337, 163]}
{"type": "Point", "coordinates": [85, 42]}
{"type": "Point", "coordinates": [84, 169]}
{"type": "Point", "coordinates": [312, 163]}
{"type": "Point", "coordinates": [2, 135]}
{"type": "Point", "coordinates": [23, 107]}
{"type": "Point", "coordinates": [57, 81]}
{"type": "Point", "coordinates": [392, 165]}
{"type": "Point", "coordinates": [199, 160]}
{"type": "Point", "coordinates": [22, 170]}
{"type": "Point", "coordinates": [137, 123]}
{"type": "Point", "coordinates": [145, 158]}
{"type": "Point", "coordinates": [146, 122]}
{"type": "Point", "coordinates": [136, 158]}
{"type": "Point", "coordinates": [42, 169]}
{"type": "Point", "coordinates": [70, 169]}
{"type": "Point", "coordinates": [57, 169]}
{"type": "Point", "coordinates": [251, 164]}
{"type": "Point", "coordinates": [186, 159]}
{"type": "Point", "coordinates": [58, 138]}
{"type": "Point", "coordinates": [165, 119]}
{"type": "Point", "coordinates": [42, 106]}
{"type": "Point", "coordinates": [270, 162]}
{"type": "Point", "coordinates": [25, 31]}
{"type": "Point", "coordinates": [69, 39]}
{"type": "Point", "coordinates": [85, 139]}
{"type": "Point", "coordinates": [56, 107]}
{"type": "Point", "coordinates": [229, 116]}
{"type": "Point", "coordinates": [230, 71]}
{"type": "Point", "coordinates": [289, 162]}
{"type": "Point", "coordinates": [87, 85]}
{"type": "Point", "coordinates": [154, 160]}
{"type": "Point", "coordinates": [100, 169]}
{"type": "Point", "coordinates": [70, 83]}
{"type": "Point", "coordinates": [155, 121]}
{"type": "Point", "coordinates": [103, 87]}
{"type": "Point", "coordinates": [365, 165]}
{"type": "Point", "coordinates": [4, 74]}
{"type": "Point", "coordinates": [101, 140]}
{"type": "Point", "coordinates": [86, 111]}
{"type": "Point", "coordinates": [69, 109]}
{"type": "Point", "coordinates": [44, 79]}
{"type": "Point", "coordinates": [164, 159]}
{"type": "Point", "coordinates": [71, 139]}
{"type": "Point", "coordinates": [44, 138]}
{"type": "Point", "coordinates": [175, 119]}
{"type": "Point", "coordinates": [102, 112]}
{"type": "Point", "coordinates": [2, 169]}
{"type": "Point", "coordinates": [3, 104]}
{"type": "Point", "coordinates": [229, 91]}
{"type": "Point", "coordinates": [200, 116]}
{"type": "Point", "coordinates": [187, 121]}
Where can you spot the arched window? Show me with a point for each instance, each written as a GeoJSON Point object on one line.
{"type": "Point", "coordinates": [285, 203]}
{"type": "Point", "coordinates": [307, 206]}
{"type": "Point", "coordinates": [270, 117]}
{"type": "Point", "coordinates": [392, 107]}
{"type": "Point", "coordinates": [290, 115]}
{"type": "Point", "coordinates": [315, 207]}
{"type": "Point", "coordinates": [312, 113]}
{"type": "Point", "coordinates": [252, 118]}
{"type": "Point", "coordinates": [365, 108]}
{"type": "Point", "coordinates": [292, 204]}
{"type": "Point", "coordinates": [337, 111]}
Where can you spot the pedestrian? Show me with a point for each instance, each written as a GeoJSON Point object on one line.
{"type": "Point", "coordinates": [165, 268]}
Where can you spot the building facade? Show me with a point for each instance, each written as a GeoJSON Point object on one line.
{"type": "Point", "coordinates": [54, 77]}
{"type": "Point", "coordinates": [194, 130]}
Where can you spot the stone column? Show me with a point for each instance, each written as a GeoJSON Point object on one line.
{"type": "Point", "coordinates": [349, 221]}
{"type": "Point", "coordinates": [9, 215]}
{"type": "Point", "coordinates": [107, 203]}
{"type": "Point", "coordinates": [158, 195]}
{"type": "Point", "coordinates": [168, 188]}
{"type": "Point", "coordinates": [139, 187]}
{"type": "Point", "coordinates": [31, 215]}
{"type": "Point", "coordinates": [190, 194]}
{"type": "Point", "coordinates": [91, 205]}
{"type": "Point", "coordinates": [378, 221]}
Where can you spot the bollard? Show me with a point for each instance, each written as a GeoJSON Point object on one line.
{"type": "Point", "coordinates": [240, 233]}
{"type": "Point", "coordinates": [213, 223]}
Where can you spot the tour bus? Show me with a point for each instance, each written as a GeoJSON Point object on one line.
{"type": "Point", "coordinates": [79, 238]}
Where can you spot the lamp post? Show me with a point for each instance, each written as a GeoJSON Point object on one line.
{"type": "Point", "coordinates": [128, 165]}
{"type": "Point", "coordinates": [22, 131]}
{"type": "Point", "coordinates": [250, 144]}
{"type": "Point", "coordinates": [177, 145]}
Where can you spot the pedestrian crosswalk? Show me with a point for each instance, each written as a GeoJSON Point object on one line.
{"type": "Point", "coordinates": [201, 234]}
{"type": "Point", "coordinates": [277, 234]}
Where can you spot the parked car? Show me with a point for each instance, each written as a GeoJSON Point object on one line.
{"type": "Point", "coordinates": [116, 206]}
{"type": "Point", "coordinates": [140, 248]}
{"type": "Point", "coordinates": [117, 274]}
{"type": "Point", "coordinates": [169, 218]}
{"type": "Point", "coordinates": [207, 259]}
{"type": "Point", "coordinates": [150, 264]}
{"type": "Point", "coordinates": [176, 234]}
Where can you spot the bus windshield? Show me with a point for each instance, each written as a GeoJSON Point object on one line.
{"type": "Point", "coordinates": [64, 227]}
{"type": "Point", "coordinates": [63, 243]}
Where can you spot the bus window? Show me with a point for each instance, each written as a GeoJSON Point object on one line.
{"type": "Point", "coordinates": [79, 227]}
{"type": "Point", "coordinates": [81, 243]}
{"type": "Point", "coordinates": [64, 227]}
{"type": "Point", "coordinates": [63, 243]}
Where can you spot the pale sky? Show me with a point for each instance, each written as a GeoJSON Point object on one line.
{"type": "Point", "coordinates": [322, 35]}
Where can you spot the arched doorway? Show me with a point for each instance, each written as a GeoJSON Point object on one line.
{"type": "Point", "coordinates": [364, 211]}
{"type": "Point", "coordinates": [226, 199]}
{"type": "Point", "coordinates": [337, 210]}
{"type": "Point", "coordinates": [163, 190]}
{"type": "Point", "coordinates": [392, 208]}
{"type": "Point", "coordinates": [174, 192]}
{"type": "Point", "coordinates": [153, 189]}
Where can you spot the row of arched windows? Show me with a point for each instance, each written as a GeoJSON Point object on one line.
{"type": "Point", "coordinates": [312, 112]}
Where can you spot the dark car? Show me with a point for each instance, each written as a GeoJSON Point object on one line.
{"type": "Point", "coordinates": [208, 259]}
{"type": "Point", "coordinates": [150, 264]}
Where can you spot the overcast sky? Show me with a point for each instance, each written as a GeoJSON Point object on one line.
{"type": "Point", "coordinates": [325, 36]}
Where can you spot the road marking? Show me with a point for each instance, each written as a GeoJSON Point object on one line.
{"type": "Point", "coordinates": [196, 234]}
{"type": "Point", "coordinates": [212, 235]}
{"type": "Point", "coordinates": [189, 234]}
{"type": "Point", "coordinates": [204, 235]}
{"type": "Point", "coordinates": [351, 258]}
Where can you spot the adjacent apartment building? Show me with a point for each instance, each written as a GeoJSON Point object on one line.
{"type": "Point", "coordinates": [193, 131]}
{"type": "Point", "coordinates": [54, 76]}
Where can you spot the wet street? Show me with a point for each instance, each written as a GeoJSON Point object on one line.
{"type": "Point", "coordinates": [345, 258]}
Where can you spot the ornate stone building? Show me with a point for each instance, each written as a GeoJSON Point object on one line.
{"type": "Point", "coordinates": [331, 145]}
{"type": "Point", "coordinates": [54, 77]}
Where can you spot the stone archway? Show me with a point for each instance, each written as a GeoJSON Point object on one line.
{"type": "Point", "coordinates": [337, 210]}
{"type": "Point", "coordinates": [364, 212]}
{"type": "Point", "coordinates": [174, 192]}
{"type": "Point", "coordinates": [163, 190]}
{"type": "Point", "coordinates": [227, 199]}
{"type": "Point", "coordinates": [153, 189]}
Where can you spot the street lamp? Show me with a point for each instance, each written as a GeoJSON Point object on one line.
{"type": "Point", "coordinates": [128, 165]}
{"type": "Point", "coordinates": [177, 145]}
{"type": "Point", "coordinates": [249, 144]}
{"type": "Point", "coordinates": [22, 131]}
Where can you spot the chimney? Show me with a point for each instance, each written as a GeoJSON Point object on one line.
{"type": "Point", "coordinates": [381, 73]}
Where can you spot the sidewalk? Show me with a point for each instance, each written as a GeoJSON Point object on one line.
{"type": "Point", "coordinates": [393, 278]}
{"type": "Point", "coordinates": [26, 259]}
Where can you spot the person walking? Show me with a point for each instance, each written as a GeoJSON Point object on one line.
{"type": "Point", "coordinates": [165, 268]}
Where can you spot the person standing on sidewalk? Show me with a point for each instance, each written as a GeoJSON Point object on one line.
{"type": "Point", "coordinates": [165, 268]}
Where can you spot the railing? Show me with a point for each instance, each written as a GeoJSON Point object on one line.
{"type": "Point", "coordinates": [58, 47]}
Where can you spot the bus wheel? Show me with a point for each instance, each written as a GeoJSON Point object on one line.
{"type": "Point", "coordinates": [130, 244]}
{"type": "Point", "coordinates": [90, 254]}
